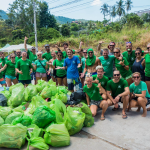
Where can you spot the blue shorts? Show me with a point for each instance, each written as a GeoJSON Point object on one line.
{"type": "Point", "coordinates": [94, 73]}
{"type": "Point", "coordinates": [73, 83]}
{"type": "Point", "coordinates": [3, 81]}
{"type": "Point", "coordinates": [10, 77]}
{"type": "Point", "coordinates": [33, 76]}
{"type": "Point", "coordinates": [25, 81]}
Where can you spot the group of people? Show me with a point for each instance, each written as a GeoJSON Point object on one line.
{"type": "Point", "coordinates": [111, 78]}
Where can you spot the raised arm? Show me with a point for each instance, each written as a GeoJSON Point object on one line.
{"type": "Point", "coordinates": [2, 69]}
{"type": "Point", "coordinates": [80, 46]}
{"type": "Point", "coordinates": [99, 46]}
{"type": "Point", "coordinates": [25, 43]}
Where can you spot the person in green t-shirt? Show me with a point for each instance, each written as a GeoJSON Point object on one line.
{"type": "Point", "coordinates": [118, 91]}
{"type": "Point", "coordinates": [47, 55]}
{"type": "Point", "coordinates": [18, 52]}
{"type": "Point", "coordinates": [93, 97]}
{"type": "Point", "coordinates": [60, 73]}
{"type": "Point", "coordinates": [139, 94]}
{"type": "Point", "coordinates": [24, 68]}
{"type": "Point", "coordinates": [123, 66]}
{"type": "Point", "coordinates": [10, 74]}
{"type": "Point", "coordinates": [100, 78]}
{"type": "Point", "coordinates": [40, 66]}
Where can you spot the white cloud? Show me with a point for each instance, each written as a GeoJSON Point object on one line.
{"type": "Point", "coordinates": [96, 2]}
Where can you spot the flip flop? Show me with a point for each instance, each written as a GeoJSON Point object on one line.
{"type": "Point", "coordinates": [148, 109]}
{"type": "Point", "coordinates": [124, 116]}
{"type": "Point", "coordinates": [102, 118]}
{"type": "Point", "coordinates": [114, 109]}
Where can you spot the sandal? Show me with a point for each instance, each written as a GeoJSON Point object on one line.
{"type": "Point", "coordinates": [148, 109]}
{"type": "Point", "coordinates": [124, 116]}
{"type": "Point", "coordinates": [114, 109]}
{"type": "Point", "coordinates": [102, 118]}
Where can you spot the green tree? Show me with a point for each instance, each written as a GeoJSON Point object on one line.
{"type": "Point", "coordinates": [145, 17]}
{"type": "Point", "coordinates": [65, 30]}
{"type": "Point", "coordinates": [104, 9]}
{"type": "Point", "coordinates": [120, 8]}
{"type": "Point", "coordinates": [113, 12]}
{"type": "Point", "coordinates": [74, 27]}
{"type": "Point", "coordinates": [128, 5]}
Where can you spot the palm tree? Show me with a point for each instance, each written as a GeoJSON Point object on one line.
{"type": "Point", "coordinates": [128, 5]}
{"type": "Point", "coordinates": [120, 8]}
{"type": "Point", "coordinates": [104, 9]}
{"type": "Point", "coordinates": [113, 12]}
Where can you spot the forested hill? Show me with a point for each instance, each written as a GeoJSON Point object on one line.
{"type": "Point", "coordinates": [3, 15]}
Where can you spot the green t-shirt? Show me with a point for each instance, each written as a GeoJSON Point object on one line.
{"type": "Point", "coordinates": [93, 92]}
{"type": "Point", "coordinates": [3, 61]}
{"type": "Point", "coordinates": [83, 63]}
{"type": "Point", "coordinates": [47, 56]}
{"type": "Point", "coordinates": [138, 89]}
{"type": "Point", "coordinates": [108, 65]}
{"type": "Point", "coordinates": [32, 57]}
{"type": "Point", "coordinates": [65, 54]}
{"type": "Point", "coordinates": [1, 75]}
{"type": "Point", "coordinates": [10, 70]}
{"type": "Point", "coordinates": [116, 88]}
{"type": "Point", "coordinates": [124, 73]}
{"type": "Point", "coordinates": [39, 67]}
{"type": "Point", "coordinates": [103, 81]}
{"type": "Point", "coordinates": [147, 65]}
{"type": "Point", "coordinates": [59, 72]}
{"type": "Point", "coordinates": [17, 58]}
{"type": "Point", "coordinates": [130, 57]}
{"type": "Point", "coordinates": [24, 66]}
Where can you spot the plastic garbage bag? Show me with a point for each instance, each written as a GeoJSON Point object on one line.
{"type": "Point", "coordinates": [17, 96]}
{"type": "Point", "coordinates": [20, 108]}
{"type": "Point", "coordinates": [46, 92]}
{"type": "Point", "coordinates": [29, 92]}
{"type": "Point", "coordinates": [9, 119]}
{"type": "Point", "coordinates": [74, 119]}
{"type": "Point", "coordinates": [51, 105]}
{"type": "Point", "coordinates": [6, 93]}
{"type": "Point", "coordinates": [35, 103]}
{"type": "Point", "coordinates": [62, 89]}
{"type": "Point", "coordinates": [12, 136]}
{"type": "Point", "coordinates": [3, 100]}
{"type": "Point", "coordinates": [61, 96]}
{"type": "Point", "coordinates": [1, 121]}
{"type": "Point", "coordinates": [57, 135]}
{"type": "Point", "coordinates": [43, 116]}
{"type": "Point", "coordinates": [14, 86]}
{"type": "Point", "coordinates": [24, 120]}
{"type": "Point", "coordinates": [5, 111]}
{"type": "Point", "coordinates": [41, 85]}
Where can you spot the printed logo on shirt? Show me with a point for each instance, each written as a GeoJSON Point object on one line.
{"type": "Point", "coordinates": [27, 64]}
{"type": "Point", "coordinates": [73, 62]}
{"type": "Point", "coordinates": [119, 86]}
{"type": "Point", "coordinates": [132, 58]}
{"type": "Point", "coordinates": [94, 91]}
{"type": "Point", "coordinates": [139, 90]}
{"type": "Point", "coordinates": [108, 63]}
{"type": "Point", "coordinates": [102, 83]}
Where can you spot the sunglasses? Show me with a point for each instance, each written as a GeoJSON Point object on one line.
{"type": "Point", "coordinates": [90, 52]}
{"type": "Point", "coordinates": [39, 55]}
{"type": "Point", "coordinates": [18, 52]}
{"type": "Point", "coordinates": [137, 53]}
{"type": "Point", "coordinates": [12, 57]}
{"type": "Point", "coordinates": [148, 47]}
{"type": "Point", "coordinates": [85, 52]}
{"type": "Point", "coordinates": [136, 77]}
{"type": "Point", "coordinates": [111, 45]}
{"type": "Point", "coordinates": [59, 55]}
{"type": "Point", "coordinates": [117, 75]}
{"type": "Point", "coordinates": [128, 42]}
{"type": "Point", "coordinates": [116, 52]}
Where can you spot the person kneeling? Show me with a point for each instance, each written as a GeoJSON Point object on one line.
{"type": "Point", "coordinates": [92, 92]}
{"type": "Point", "coordinates": [118, 91]}
{"type": "Point", "coordinates": [139, 94]}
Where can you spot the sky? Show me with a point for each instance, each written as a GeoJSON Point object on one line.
{"type": "Point", "coordinates": [83, 9]}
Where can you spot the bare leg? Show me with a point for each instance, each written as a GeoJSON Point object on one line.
{"type": "Point", "coordinates": [44, 78]}
{"type": "Point", "coordinates": [4, 85]}
{"type": "Point", "coordinates": [15, 81]}
{"type": "Point", "coordinates": [93, 109]}
{"type": "Point", "coordinates": [53, 79]}
{"type": "Point", "coordinates": [104, 106]}
{"type": "Point", "coordinates": [104, 96]}
{"type": "Point", "coordinates": [109, 102]}
{"type": "Point", "coordinates": [37, 78]}
{"type": "Point", "coordinates": [59, 80]}
{"type": "Point", "coordinates": [8, 81]}
{"type": "Point", "coordinates": [125, 103]}
{"type": "Point", "coordinates": [65, 81]}
{"type": "Point", "coordinates": [142, 102]}
{"type": "Point", "coordinates": [148, 85]}
{"type": "Point", "coordinates": [129, 81]}
{"type": "Point", "coordinates": [82, 81]}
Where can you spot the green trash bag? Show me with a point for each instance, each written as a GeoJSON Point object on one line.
{"type": "Point", "coordinates": [38, 143]}
{"type": "Point", "coordinates": [43, 116]}
{"type": "Point", "coordinates": [20, 108]}
{"type": "Point", "coordinates": [12, 136]}
{"type": "Point", "coordinates": [89, 120]}
{"type": "Point", "coordinates": [61, 96]}
{"type": "Point", "coordinates": [9, 119]}
{"type": "Point", "coordinates": [15, 86]}
{"type": "Point", "coordinates": [1, 121]}
{"type": "Point", "coordinates": [35, 103]}
{"type": "Point", "coordinates": [62, 89]}
{"type": "Point", "coordinates": [6, 93]}
{"type": "Point", "coordinates": [57, 135]}
{"type": "Point", "coordinates": [5, 111]}
{"type": "Point", "coordinates": [41, 85]}
{"type": "Point", "coordinates": [74, 119]}
{"type": "Point", "coordinates": [24, 120]}
{"type": "Point", "coordinates": [51, 105]}
{"type": "Point", "coordinates": [46, 92]}
{"type": "Point", "coordinates": [29, 92]}
{"type": "Point", "coordinates": [17, 96]}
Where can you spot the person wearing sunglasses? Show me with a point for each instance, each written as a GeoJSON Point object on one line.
{"type": "Point", "coordinates": [129, 54]}
{"type": "Point", "coordinates": [18, 53]}
{"type": "Point", "coordinates": [123, 66]}
{"type": "Point", "coordinates": [40, 66]}
{"type": "Point", "coordinates": [60, 73]}
{"type": "Point", "coordinates": [139, 94]}
{"type": "Point", "coordinates": [137, 65]}
{"type": "Point", "coordinates": [118, 91]}
{"type": "Point", "coordinates": [32, 57]}
{"type": "Point", "coordinates": [24, 68]}
{"type": "Point", "coordinates": [10, 74]}
{"type": "Point", "coordinates": [94, 98]}
{"type": "Point", "coordinates": [91, 63]}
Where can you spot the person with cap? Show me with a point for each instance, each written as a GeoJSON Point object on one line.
{"type": "Point", "coordinates": [90, 63]}
{"type": "Point", "coordinates": [32, 57]}
{"type": "Point", "coordinates": [10, 74]}
{"type": "Point", "coordinates": [72, 63]}
{"type": "Point", "coordinates": [24, 68]}
{"type": "Point", "coordinates": [129, 54]}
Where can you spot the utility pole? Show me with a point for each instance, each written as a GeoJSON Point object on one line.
{"type": "Point", "coordinates": [35, 30]}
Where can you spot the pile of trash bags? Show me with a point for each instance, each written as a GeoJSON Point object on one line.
{"type": "Point", "coordinates": [29, 117]}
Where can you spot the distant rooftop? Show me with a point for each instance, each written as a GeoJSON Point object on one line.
{"type": "Point", "coordinates": [140, 12]}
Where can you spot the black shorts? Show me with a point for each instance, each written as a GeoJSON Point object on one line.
{"type": "Point", "coordinates": [25, 81]}
{"type": "Point", "coordinates": [119, 99]}
{"type": "Point", "coordinates": [147, 78]}
{"type": "Point", "coordinates": [61, 77]}
{"type": "Point", "coordinates": [148, 100]}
